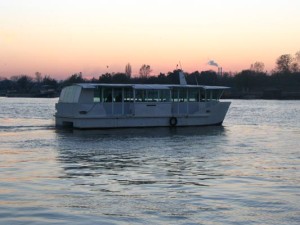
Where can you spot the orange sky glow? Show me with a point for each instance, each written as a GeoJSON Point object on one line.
{"type": "Point", "coordinates": [63, 37]}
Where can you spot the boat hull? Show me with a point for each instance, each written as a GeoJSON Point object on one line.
{"type": "Point", "coordinates": [212, 116]}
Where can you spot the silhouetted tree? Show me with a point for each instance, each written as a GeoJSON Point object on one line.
{"type": "Point", "coordinates": [173, 77]}
{"type": "Point", "coordinates": [128, 70]}
{"type": "Point", "coordinates": [120, 78]}
{"type": "Point", "coordinates": [208, 78]}
{"type": "Point", "coordinates": [193, 78]}
{"type": "Point", "coordinates": [249, 80]}
{"type": "Point", "coordinates": [73, 79]}
{"type": "Point", "coordinates": [297, 57]}
{"type": "Point", "coordinates": [105, 78]}
{"type": "Point", "coordinates": [6, 84]}
{"type": "Point", "coordinates": [284, 63]}
{"type": "Point", "coordinates": [286, 77]}
{"type": "Point", "coordinates": [38, 77]}
{"type": "Point", "coordinates": [47, 80]}
{"type": "Point", "coordinates": [258, 67]}
{"type": "Point", "coordinates": [23, 83]}
{"type": "Point", "coordinates": [145, 71]}
{"type": "Point", "coordinates": [93, 80]}
{"type": "Point", "coordinates": [295, 67]}
{"type": "Point", "coordinates": [162, 78]}
{"type": "Point", "coordinates": [244, 80]}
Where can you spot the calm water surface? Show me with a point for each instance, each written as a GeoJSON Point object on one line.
{"type": "Point", "coordinates": [246, 172]}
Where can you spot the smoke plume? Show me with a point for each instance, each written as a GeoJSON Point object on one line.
{"type": "Point", "coordinates": [212, 63]}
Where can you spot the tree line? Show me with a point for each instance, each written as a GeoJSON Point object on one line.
{"type": "Point", "coordinates": [254, 80]}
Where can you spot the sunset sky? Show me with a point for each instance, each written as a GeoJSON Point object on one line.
{"type": "Point", "coordinates": [63, 37]}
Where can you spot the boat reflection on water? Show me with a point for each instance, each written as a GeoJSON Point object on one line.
{"type": "Point", "coordinates": [143, 132]}
{"type": "Point", "coordinates": [139, 156]}
{"type": "Point", "coordinates": [130, 172]}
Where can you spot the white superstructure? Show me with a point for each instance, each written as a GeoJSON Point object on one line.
{"type": "Point", "coordinates": [140, 105]}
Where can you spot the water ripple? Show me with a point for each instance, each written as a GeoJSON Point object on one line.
{"type": "Point", "coordinates": [246, 172]}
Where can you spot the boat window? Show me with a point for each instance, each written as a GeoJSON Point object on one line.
{"type": "Point", "coordinates": [202, 95]}
{"type": "Point", "coordinates": [183, 95]}
{"type": "Point", "coordinates": [179, 95]}
{"type": "Point", "coordinates": [151, 95]}
{"type": "Point", "coordinates": [128, 95]}
{"type": "Point", "coordinates": [194, 95]}
{"type": "Point", "coordinates": [175, 95]}
{"type": "Point", "coordinates": [107, 94]}
{"type": "Point", "coordinates": [97, 94]}
{"type": "Point", "coordinates": [214, 94]}
{"type": "Point", "coordinates": [164, 95]}
{"type": "Point", "coordinates": [140, 95]}
{"type": "Point", "coordinates": [117, 95]}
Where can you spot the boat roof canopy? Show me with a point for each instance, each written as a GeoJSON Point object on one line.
{"type": "Point", "coordinates": [215, 87]}
{"type": "Point", "coordinates": [150, 86]}
{"type": "Point", "coordinates": [92, 85]}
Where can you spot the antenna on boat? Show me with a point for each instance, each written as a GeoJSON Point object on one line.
{"type": "Point", "coordinates": [196, 80]}
{"type": "Point", "coordinates": [180, 65]}
{"type": "Point", "coordinates": [182, 79]}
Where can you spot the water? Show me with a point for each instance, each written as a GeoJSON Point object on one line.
{"type": "Point", "coordinates": [246, 172]}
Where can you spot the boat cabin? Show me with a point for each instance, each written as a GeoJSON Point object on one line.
{"type": "Point", "coordinates": [139, 99]}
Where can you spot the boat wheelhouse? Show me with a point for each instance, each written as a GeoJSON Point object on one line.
{"type": "Point", "coordinates": [89, 106]}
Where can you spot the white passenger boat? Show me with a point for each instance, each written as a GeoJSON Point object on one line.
{"type": "Point", "coordinates": [89, 106]}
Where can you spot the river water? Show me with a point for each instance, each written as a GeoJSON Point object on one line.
{"type": "Point", "coordinates": [245, 172]}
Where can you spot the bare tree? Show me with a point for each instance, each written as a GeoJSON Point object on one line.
{"type": "Point", "coordinates": [284, 63]}
{"type": "Point", "coordinates": [38, 77]}
{"type": "Point", "coordinates": [258, 67]}
{"type": "Point", "coordinates": [145, 71]}
{"type": "Point", "coordinates": [296, 63]}
{"type": "Point", "coordinates": [128, 70]}
{"type": "Point", "coordinates": [295, 67]}
{"type": "Point", "coordinates": [297, 57]}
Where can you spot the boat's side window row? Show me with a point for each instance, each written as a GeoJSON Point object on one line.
{"type": "Point", "coordinates": [130, 95]}
{"type": "Point", "coordinates": [112, 95]}
{"type": "Point", "coordinates": [152, 95]}
{"type": "Point", "coordinates": [188, 95]}
{"type": "Point", "coordinates": [108, 94]}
